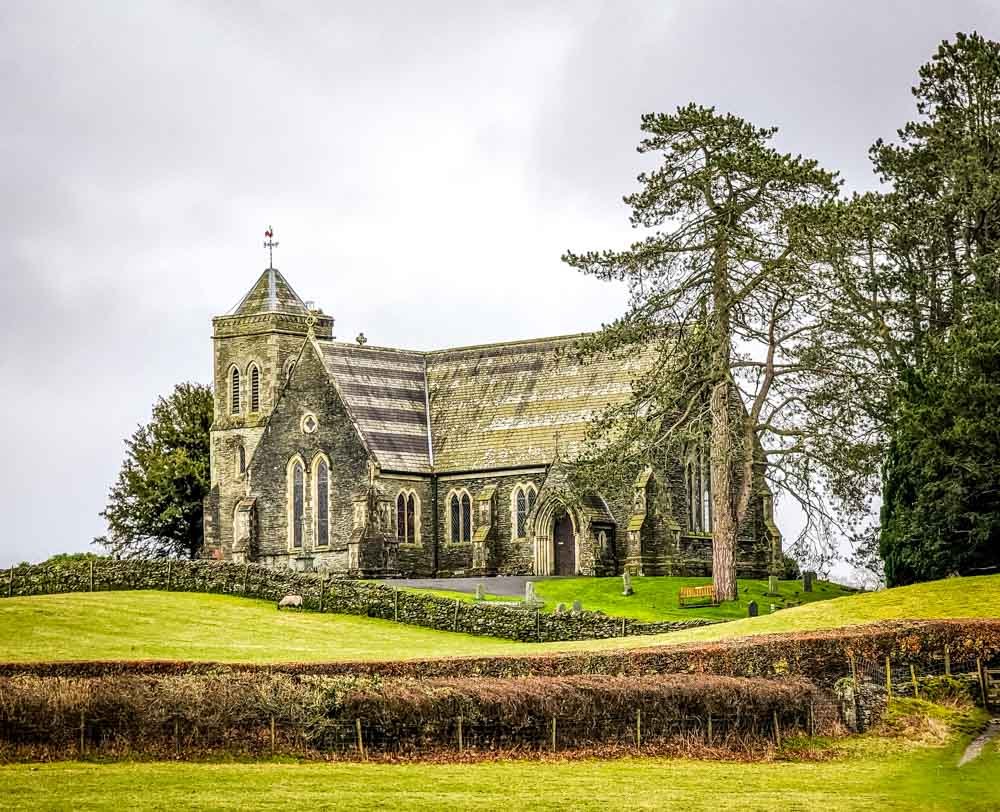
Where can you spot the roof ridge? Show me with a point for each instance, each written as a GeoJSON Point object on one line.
{"type": "Point", "coordinates": [462, 348]}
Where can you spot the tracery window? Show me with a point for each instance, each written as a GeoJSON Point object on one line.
{"type": "Point", "coordinates": [322, 501]}
{"type": "Point", "coordinates": [459, 516]}
{"type": "Point", "coordinates": [296, 503]}
{"type": "Point", "coordinates": [234, 391]}
{"type": "Point", "coordinates": [241, 459]}
{"type": "Point", "coordinates": [522, 501]}
{"type": "Point", "coordinates": [407, 517]}
{"type": "Point", "coordinates": [254, 388]}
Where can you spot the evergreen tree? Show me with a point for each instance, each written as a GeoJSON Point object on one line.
{"type": "Point", "coordinates": [155, 507]}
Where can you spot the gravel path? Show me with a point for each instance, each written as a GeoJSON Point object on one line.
{"type": "Point", "coordinates": [974, 750]}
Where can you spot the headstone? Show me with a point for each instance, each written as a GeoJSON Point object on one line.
{"type": "Point", "coordinates": [752, 609]}
{"type": "Point", "coordinates": [772, 585]}
{"type": "Point", "coordinates": [577, 608]}
{"type": "Point", "coordinates": [560, 608]}
{"type": "Point", "coordinates": [627, 585]}
{"type": "Point", "coordinates": [807, 581]}
{"type": "Point", "coordinates": [773, 608]}
{"type": "Point", "coordinates": [480, 592]}
{"type": "Point", "coordinates": [529, 593]}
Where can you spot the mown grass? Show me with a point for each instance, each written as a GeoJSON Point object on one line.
{"type": "Point", "coordinates": [867, 774]}
{"type": "Point", "coordinates": [656, 598]}
{"type": "Point", "coordinates": [174, 625]}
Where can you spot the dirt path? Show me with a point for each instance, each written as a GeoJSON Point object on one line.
{"type": "Point", "coordinates": [973, 751]}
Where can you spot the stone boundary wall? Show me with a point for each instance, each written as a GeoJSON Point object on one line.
{"type": "Point", "coordinates": [323, 594]}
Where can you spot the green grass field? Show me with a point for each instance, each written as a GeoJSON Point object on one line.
{"type": "Point", "coordinates": [868, 774]}
{"type": "Point", "coordinates": [175, 625]}
{"type": "Point", "coordinates": [656, 598]}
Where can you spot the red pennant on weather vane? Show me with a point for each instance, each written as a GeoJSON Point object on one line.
{"type": "Point", "coordinates": [270, 244]}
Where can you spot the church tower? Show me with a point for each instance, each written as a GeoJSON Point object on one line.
{"type": "Point", "coordinates": [255, 346]}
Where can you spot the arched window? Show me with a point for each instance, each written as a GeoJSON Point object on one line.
{"type": "Point", "coordinates": [254, 388]}
{"type": "Point", "coordinates": [241, 459]}
{"type": "Point", "coordinates": [698, 482]}
{"type": "Point", "coordinates": [322, 505]}
{"type": "Point", "coordinates": [234, 391]}
{"type": "Point", "coordinates": [459, 516]}
{"type": "Point", "coordinates": [522, 501]}
{"type": "Point", "coordinates": [455, 513]}
{"type": "Point", "coordinates": [407, 517]}
{"type": "Point", "coordinates": [296, 502]}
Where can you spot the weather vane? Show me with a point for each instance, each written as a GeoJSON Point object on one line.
{"type": "Point", "coordinates": [270, 244]}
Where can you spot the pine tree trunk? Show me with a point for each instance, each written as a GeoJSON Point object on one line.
{"type": "Point", "coordinates": [724, 523]}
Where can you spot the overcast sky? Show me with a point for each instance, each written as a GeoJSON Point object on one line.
{"type": "Point", "coordinates": [424, 165]}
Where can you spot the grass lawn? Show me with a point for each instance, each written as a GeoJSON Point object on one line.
{"type": "Point", "coordinates": [869, 774]}
{"type": "Point", "coordinates": [656, 598]}
{"type": "Point", "coordinates": [177, 625]}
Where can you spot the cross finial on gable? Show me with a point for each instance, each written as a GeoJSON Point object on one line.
{"type": "Point", "coordinates": [270, 244]}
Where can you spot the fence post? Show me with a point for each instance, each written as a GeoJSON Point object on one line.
{"type": "Point", "coordinates": [170, 569]}
{"type": "Point", "coordinates": [947, 661]}
{"type": "Point", "coordinates": [982, 682]}
{"type": "Point", "coordinates": [623, 627]}
{"type": "Point", "coordinates": [92, 575]}
{"type": "Point", "coordinates": [83, 729]}
{"type": "Point", "coordinates": [553, 734]}
{"type": "Point", "coordinates": [177, 736]}
{"type": "Point", "coordinates": [246, 574]}
{"type": "Point", "coordinates": [272, 734]}
{"type": "Point", "coordinates": [888, 676]}
{"type": "Point", "coordinates": [361, 742]}
{"type": "Point", "coordinates": [710, 730]}
{"type": "Point", "coordinates": [459, 734]}
{"type": "Point", "coordinates": [322, 592]}
{"type": "Point", "coordinates": [777, 730]}
{"type": "Point", "coordinates": [455, 621]}
{"type": "Point", "coordinates": [638, 728]}
{"type": "Point", "coordinates": [812, 719]}
{"type": "Point", "coordinates": [538, 628]}
{"type": "Point", "coordinates": [395, 604]}
{"type": "Point", "coordinates": [913, 678]}
{"type": "Point", "coordinates": [10, 583]}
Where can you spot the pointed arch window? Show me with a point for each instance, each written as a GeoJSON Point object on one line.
{"type": "Point", "coordinates": [296, 503]}
{"type": "Point", "coordinates": [522, 501]}
{"type": "Point", "coordinates": [241, 459]}
{"type": "Point", "coordinates": [407, 517]}
{"type": "Point", "coordinates": [254, 388]}
{"type": "Point", "coordinates": [459, 516]}
{"type": "Point", "coordinates": [322, 502]}
{"type": "Point", "coordinates": [234, 391]}
{"type": "Point", "coordinates": [698, 483]}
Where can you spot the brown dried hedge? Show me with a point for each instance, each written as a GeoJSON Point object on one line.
{"type": "Point", "coordinates": [822, 656]}
{"type": "Point", "coordinates": [237, 712]}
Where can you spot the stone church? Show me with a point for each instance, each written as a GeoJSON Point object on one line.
{"type": "Point", "coordinates": [369, 461]}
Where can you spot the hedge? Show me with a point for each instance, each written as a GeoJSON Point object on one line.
{"type": "Point", "coordinates": [128, 715]}
{"type": "Point", "coordinates": [821, 656]}
{"type": "Point", "coordinates": [321, 594]}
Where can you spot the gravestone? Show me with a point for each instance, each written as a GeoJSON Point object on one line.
{"type": "Point", "coordinates": [480, 592]}
{"type": "Point", "coordinates": [752, 610]}
{"type": "Point", "coordinates": [773, 608]}
{"type": "Point", "coordinates": [807, 581]}
{"type": "Point", "coordinates": [627, 585]}
{"type": "Point", "coordinates": [529, 593]}
{"type": "Point", "coordinates": [560, 608]}
{"type": "Point", "coordinates": [772, 585]}
{"type": "Point", "coordinates": [577, 608]}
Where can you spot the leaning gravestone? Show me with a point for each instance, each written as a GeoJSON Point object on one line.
{"type": "Point", "coordinates": [577, 608]}
{"type": "Point", "coordinates": [627, 585]}
{"type": "Point", "coordinates": [772, 585]}
{"type": "Point", "coordinates": [807, 581]}
{"type": "Point", "coordinates": [480, 592]}
{"type": "Point", "coordinates": [752, 610]}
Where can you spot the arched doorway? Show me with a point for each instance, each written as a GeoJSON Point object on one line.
{"type": "Point", "coordinates": [564, 541]}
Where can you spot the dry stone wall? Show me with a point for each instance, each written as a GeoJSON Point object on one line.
{"type": "Point", "coordinates": [342, 596]}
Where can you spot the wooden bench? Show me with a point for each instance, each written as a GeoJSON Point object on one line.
{"type": "Point", "coordinates": [696, 593]}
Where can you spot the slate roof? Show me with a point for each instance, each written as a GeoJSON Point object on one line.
{"type": "Point", "coordinates": [492, 406]}
{"type": "Point", "coordinates": [271, 293]}
{"type": "Point", "coordinates": [384, 391]}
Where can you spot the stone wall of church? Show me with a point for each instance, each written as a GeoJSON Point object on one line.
{"type": "Point", "coordinates": [308, 392]}
{"type": "Point", "coordinates": [510, 555]}
{"type": "Point", "coordinates": [414, 560]}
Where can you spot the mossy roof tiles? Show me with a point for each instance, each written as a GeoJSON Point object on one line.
{"type": "Point", "coordinates": [271, 293]}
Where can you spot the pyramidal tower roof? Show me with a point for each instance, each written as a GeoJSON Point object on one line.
{"type": "Point", "coordinates": [271, 293]}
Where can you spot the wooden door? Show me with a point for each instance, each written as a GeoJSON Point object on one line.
{"type": "Point", "coordinates": [565, 543]}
